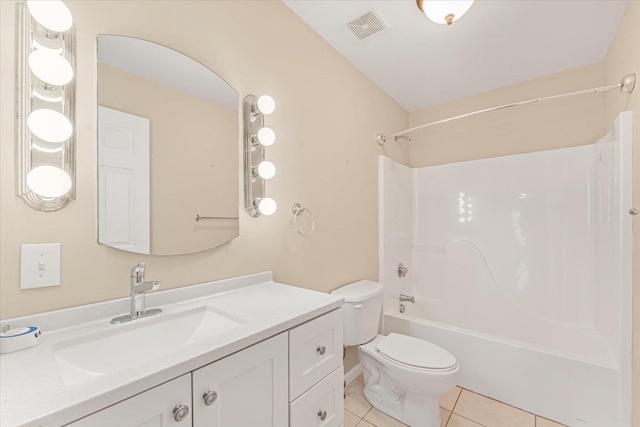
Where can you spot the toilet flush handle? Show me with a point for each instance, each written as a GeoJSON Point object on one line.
{"type": "Point", "coordinates": [357, 306]}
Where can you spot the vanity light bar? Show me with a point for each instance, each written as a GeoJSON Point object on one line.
{"type": "Point", "coordinates": [45, 86]}
{"type": "Point", "coordinates": [256, 168]}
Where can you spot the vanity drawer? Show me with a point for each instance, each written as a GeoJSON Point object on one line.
{"type": "Point", "coordinates": [324, 400]}
{"type": "Point", "coordinates": [315, 350]}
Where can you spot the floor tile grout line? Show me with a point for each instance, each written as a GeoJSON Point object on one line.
{"type": "Point", "coordinates": [352, 413]}
{"type": "Point", "coordinates": [468, 419]}
{"type": "Point", "coordinates": [456, 402]}
{"type": "Point", "coordinates": [367, 413]}
{"type": "Point", "coordinates": [448, 419]}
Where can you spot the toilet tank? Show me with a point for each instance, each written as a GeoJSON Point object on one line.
{"type": "Point", "coordinates": [362, 311]}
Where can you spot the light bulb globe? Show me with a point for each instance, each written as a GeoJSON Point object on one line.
{"type": "Point", "coordinates": [267, 206]}
{"type": "Point", "coordinates": [266, 170]}
{"type": "Point", "coordinates": [266, 136]}
{"type": "Point", "coordinates": [54, 15]}
{"type": "Point", "coordinates": [49, 125]}
{"type": "Point", "coordinates": [50, 67]}
{"type": "Point", "coordinates": [445, 12]}
{"type": "Point", "coordinates": [266, 104]}
{"type": "Point", "coordinates": [49, 181]}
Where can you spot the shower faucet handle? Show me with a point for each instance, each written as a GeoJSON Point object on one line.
{"type": "Point", "coordinates": [402, 271]}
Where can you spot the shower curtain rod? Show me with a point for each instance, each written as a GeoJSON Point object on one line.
{"type": "Point", "coordinates": [626, 86]}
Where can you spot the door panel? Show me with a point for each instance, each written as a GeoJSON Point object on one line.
{"type": "Point", "coordinates": [123, 181]}
{"type": "Point", "coordinates": [152, 408]}
{"type": "Point", "coordinates": [251, 388]}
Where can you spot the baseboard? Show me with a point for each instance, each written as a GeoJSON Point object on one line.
{"type": "Point", "coordinates": [352, 374]}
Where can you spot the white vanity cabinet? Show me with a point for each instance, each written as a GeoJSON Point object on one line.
{"type": "Point", "coordinates": [294, 379]}
{"type": "Point", "coordinates": [167, 405]}
{"type": "Point", "coordinates": [248, 388]}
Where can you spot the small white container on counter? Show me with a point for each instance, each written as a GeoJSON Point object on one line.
{"type": "Point", "coordinates": [19, 338]}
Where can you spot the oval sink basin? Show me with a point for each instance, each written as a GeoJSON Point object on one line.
{"type": "Point", "coordinates": [127, 346]}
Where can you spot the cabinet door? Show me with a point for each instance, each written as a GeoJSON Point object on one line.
{"type": "Point", "coordinates": [246, 389]}
{"type": "Point", "coordinates": [152, 408]}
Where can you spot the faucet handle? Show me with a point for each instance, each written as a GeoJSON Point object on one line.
{"type": "Point", "coordinates": [138, 269]}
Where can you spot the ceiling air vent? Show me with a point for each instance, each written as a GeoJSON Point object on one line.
{"type": "Point", "coordinates": [367, 25]}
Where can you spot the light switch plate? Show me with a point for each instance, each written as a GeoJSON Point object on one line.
{"type": "Point", "coordinates": [40, 265]}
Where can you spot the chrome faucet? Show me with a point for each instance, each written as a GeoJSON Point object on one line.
{"type": "Point", "coordinates": [138, 290]}
{"type": "Point", "coordinates": [404, 297]}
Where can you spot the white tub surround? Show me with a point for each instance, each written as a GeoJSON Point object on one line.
{"type": "Point", "coordinates": [36, 389]}
{"type": "Point", "coordinates": [521, 267]}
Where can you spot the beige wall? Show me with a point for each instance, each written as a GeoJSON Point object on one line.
{"type": "Point", "coordinates": [193, 160]}
{"type": "Point", "coordinates": [544, 126]}
{"type": "Point", "coordinates": [327, 116]}
{"type": "Point", "coordinates": [624, 58]}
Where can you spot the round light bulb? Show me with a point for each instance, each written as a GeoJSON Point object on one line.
{"type": "Point", "coordinates": [445, 11]}
{"type": "Point", "coordinates": [49, 125]}
{"type": "Point", "coordinates": [267, 206]}
{"type": "Point", "coordinates": [266, 170]}
{"type": "Point", "coordinates": [49, 181]}
{"type": "Point", "coordinates": [266, 104]}
{"type": "Point", "coordinates": [50, 67]}
{"type": "Point", "coordinates": [266, 136]}
{"type": "Point", "coordinates": [51, 14]}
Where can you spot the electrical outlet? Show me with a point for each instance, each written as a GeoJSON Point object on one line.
{"type": "Point", "coordinates": [40, 265]}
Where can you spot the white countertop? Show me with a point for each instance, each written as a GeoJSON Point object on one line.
{"type": "Point", "coordinates": [32, 391]}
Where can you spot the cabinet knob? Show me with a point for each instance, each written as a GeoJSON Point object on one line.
{"type": "Point", "coordinates": [322, 414]}
{"type": "Point", "coordinates": [209, 397]}
{"type": "Point", "coordinates": [322, 350]}
{"type": "Point", "coordinates": [180, 412]}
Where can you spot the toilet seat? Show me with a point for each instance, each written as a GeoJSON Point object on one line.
{"type": "Point", "coordinates": [415, 352]}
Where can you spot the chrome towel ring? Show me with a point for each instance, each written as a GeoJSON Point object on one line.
{"type": "Point", "coordinates": [297, 210]}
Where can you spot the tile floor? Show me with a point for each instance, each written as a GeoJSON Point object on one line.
{"type": "Point", "coordinates": [459, 408]}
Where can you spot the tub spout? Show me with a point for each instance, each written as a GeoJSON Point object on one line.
{"type": "Point", "coordinates": [408, 298]}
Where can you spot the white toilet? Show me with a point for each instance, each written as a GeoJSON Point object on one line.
{"type": "Point", "coordinates": [404, 376]}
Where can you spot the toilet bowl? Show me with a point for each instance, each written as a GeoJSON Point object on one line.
{"type": "Point", "coordinates": [402, 390]}
{"type": "Point", "coordinates": [404, 376]}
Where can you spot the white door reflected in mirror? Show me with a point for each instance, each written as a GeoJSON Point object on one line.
{"type": "Point", "coordinates": [123, 181]}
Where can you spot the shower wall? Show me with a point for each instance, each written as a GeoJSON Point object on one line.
{"type": "Point", "coordinates": [529, 249]}
{"type": "Point", "coordinates": [507, 237]}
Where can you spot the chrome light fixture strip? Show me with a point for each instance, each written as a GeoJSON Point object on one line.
{"type": "Point", "coordinates": [256, 168]}
{"type": "Point", "coordinates": [25, 154]}
{"type": "Point", "coordinates": [254, 188]}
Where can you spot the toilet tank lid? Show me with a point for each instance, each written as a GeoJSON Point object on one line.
{"type": "Point", "coordinates": [359, 291]}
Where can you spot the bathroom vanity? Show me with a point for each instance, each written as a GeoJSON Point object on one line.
{"type": "Point", "coordinates": [239, 352]}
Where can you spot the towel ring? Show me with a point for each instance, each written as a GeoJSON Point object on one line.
{"type": "Point", "coordinates": [297, 209]}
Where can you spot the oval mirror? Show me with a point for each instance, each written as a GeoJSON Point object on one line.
{"type": "Point", "coordinates": [168, 136]}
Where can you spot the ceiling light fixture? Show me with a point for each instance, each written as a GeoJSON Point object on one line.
{"type": "Point", "coordinates": [444, 11]}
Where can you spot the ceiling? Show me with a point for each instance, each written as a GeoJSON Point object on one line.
{"type": "Point", "coordinates": [497, 43]}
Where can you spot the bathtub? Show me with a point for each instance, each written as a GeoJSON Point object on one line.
{"type": "Point", "coordinates": [521, 267]}
{"type": "Point", "coordinates": [556, 382]}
